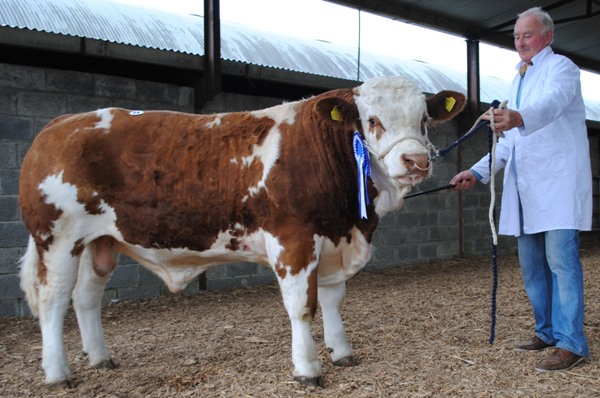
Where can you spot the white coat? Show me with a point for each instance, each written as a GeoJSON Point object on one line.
{"type": "Point", "coordinates": [548, 159]}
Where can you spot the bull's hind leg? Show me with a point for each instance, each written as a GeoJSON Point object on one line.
{"type": "Point", "coordinates": [55, 289]}
{"type": "Point", "coordinates": [96, 265]}
{"type": "Point", "coordinates": [330, 299]}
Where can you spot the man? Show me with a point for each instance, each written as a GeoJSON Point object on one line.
{"type": "Point", "coordinates": [547, 196]}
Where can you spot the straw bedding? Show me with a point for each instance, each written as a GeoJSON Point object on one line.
{"type": "Point", "coordinates": [418, 331]}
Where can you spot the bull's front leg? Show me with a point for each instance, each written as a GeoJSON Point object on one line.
{"type": "Point", "coordinates": [330, 299]}
{"type": "Point", "coordinates": [299, 292]}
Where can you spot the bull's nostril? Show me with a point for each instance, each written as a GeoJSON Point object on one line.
{"type": "Point", "coordinates": [417, 162]}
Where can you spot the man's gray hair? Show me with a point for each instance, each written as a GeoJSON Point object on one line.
{"type": "Point", "coordinates": [543, 18]}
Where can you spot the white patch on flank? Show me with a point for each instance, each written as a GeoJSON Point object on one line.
{"type": "Point", "coordinates": [106, 117]}
{"type": "Point", "coordinates": [76, 222]}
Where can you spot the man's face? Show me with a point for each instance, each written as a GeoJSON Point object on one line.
{"type": "Point", "coordinates": [529, 39]}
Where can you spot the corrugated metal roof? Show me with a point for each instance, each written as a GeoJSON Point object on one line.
{"type": "Point", "coordinates": [244, 44]}
{"type": "Point", "coordinates": [150, 28]}
{"type": "Point", "coordinates": [107, 21]}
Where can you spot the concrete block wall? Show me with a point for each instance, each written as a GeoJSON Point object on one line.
{"type": "Point", "coordinates": [425, 228]}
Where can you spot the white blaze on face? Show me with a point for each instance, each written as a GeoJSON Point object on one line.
{"type": "Point", "coordinates": [392, 112]}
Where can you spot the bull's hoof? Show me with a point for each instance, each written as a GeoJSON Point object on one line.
{"type": "Point", "coordinates": [60, 385]}
{"type": "Point", "coordinates": [346, 361]}
{"type": "Point", "coordinates": [310, 381]}
{"type": "Point", "coordinates": [108, 364]}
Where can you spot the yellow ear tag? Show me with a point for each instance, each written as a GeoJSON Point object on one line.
{"type": "Point", "coordinates": [336, 114]}
{"type": "Point", "coordinates": [450, 102]}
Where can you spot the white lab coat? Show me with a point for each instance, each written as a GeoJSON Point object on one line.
{"type": "Point", "coordinates": [548, 159]}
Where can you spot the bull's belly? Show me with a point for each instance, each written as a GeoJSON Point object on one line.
{"type": "Point", "coordinates": [177, 267]}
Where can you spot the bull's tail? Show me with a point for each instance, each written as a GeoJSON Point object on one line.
{"type": "Point", "coordinates": [29, 276]}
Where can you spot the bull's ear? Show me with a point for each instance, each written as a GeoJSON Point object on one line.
{"type": "Point", "coordinates": [445, 105]}
{"type": "Point", "coordinates": [335, 110]}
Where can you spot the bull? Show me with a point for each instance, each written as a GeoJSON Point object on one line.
{"type": "Point", "coordinates": [299, 188]}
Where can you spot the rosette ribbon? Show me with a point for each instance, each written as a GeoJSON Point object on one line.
{"type": "Point", "coordinates": [364, 172]}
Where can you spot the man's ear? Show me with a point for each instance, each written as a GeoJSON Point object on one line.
{"type": "Point", "coordinates": [445, 105]}
{"type": "Point", "coordinates": [336, 111]}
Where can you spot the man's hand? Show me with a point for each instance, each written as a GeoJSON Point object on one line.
{"type": "Point", "coordinates": [464, 180]}
{"type": "Point", "coordinates": [505, 119]}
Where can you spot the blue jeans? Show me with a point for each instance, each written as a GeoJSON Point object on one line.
{"type": "Point", "coordinates": [553, 279]}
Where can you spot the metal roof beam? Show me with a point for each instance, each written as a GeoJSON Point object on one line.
{"type": "Point", "coordinates": [212, 48]}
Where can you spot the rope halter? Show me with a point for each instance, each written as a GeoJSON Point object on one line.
{"type": "Point", "coordinates": [379, 156]}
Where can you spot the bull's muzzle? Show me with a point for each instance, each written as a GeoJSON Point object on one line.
{"type": "Point", "coordinates": [417, 164]}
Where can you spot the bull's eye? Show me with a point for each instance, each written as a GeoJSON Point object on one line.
{"type": "Point", "coordinates": [375, 126]}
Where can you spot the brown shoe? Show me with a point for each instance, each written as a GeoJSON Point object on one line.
{"type": "Point", "coordinates": [532, 345]}
{"type": "Point", "coordinates": [557, 360]}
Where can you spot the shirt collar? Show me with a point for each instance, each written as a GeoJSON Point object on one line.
{"type": "Point", "coordinates": [539, 57]}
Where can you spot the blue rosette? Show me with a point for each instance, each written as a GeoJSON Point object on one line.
{"type": "Point", "coordinates": [363, 165]}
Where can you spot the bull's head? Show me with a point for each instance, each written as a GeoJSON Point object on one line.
{"type": "Point", "coordinates": [393, 116]}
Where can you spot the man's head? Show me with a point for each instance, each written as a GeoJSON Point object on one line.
{"type": "Point", "coordinates": [534, 31]}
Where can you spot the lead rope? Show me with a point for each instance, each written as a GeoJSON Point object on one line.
{"type": "Point", "coordinates": [492, 140]}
